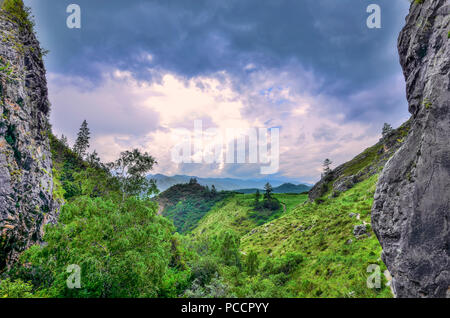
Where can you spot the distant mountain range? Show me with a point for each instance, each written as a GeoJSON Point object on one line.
{"type": "Point", "coordinates": [229, 184]}
{"type": "Point", "coordinates": [284, 188]}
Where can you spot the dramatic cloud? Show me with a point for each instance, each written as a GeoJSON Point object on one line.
{"type": "Point", "coordinates": [138, 70]}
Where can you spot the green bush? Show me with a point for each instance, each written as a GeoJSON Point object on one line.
{"type": "Point", "coordinates": [123, 250]}
{"type": "Point", "coordinates": [15, 289]}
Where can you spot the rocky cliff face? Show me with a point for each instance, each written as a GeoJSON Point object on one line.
{"type": "Point", "coordinates": [411, 211]}
{"type": "Point", "coordinates": [26, 184]}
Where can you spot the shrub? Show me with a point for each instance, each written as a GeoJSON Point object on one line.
{"type": "Point", "coordinates": [123, 250]}
{"type": "Point", "coordinates": [15, 289]}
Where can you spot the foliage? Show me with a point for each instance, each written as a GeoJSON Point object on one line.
{"type": "Point", "coordinates": [131, 170]}
{"type": "Point", "coordinates": [15, 289]}
{"type": "Point", "coordinates": [75, 177]}
{"type": "Point", "coordinates": [186, 204]}
{"type": "Point", "coordinates": [19, 13]}
{"type": "Point", "coordinates": [237, 213]}
{"type": "Point", "coordinates": [229, 245]}
{"type": "Point", "coordinates": [252, 263]}
{"type": "Point", "coordinates": [123, 250]}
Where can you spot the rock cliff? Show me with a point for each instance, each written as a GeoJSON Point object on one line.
{"type": "Point", "coordinates": [411, 211]}
{"type": "Point", "coordinates": [26, 183]}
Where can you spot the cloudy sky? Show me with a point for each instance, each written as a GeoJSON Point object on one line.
{"type": "Point", "coordinates": [140, 70]}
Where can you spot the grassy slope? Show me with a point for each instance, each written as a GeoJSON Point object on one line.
{"type": "Point", "coordinates": [186, 204]}
{"type": "Point", "coordinates": [331, 267]}
{"type": "Point", "coordinates": [234, 213]}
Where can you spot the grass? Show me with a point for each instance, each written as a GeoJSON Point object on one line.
{"type": "Point", "coordinates": [332, 266]}
{"type": "Point", "coordinates": [20, 14]}
{"type": "Point", "coordinates": [186, 204]}
{"type": "Point", "coordinates": [235, 213]}
{"type": "Point", "coordinates": [334, 262]}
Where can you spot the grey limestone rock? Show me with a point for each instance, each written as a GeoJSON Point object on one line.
{"type": "Point", "coordinates": [26, 182]}
{"type": "Point", "coordinates": [411, 211]}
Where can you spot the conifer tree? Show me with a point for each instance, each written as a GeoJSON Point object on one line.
{"type": "Point", "coordinates": [64, 140]}
{"type": "Point", "coordinates": [82, 142]}
{"type": "Point", "coordinates": [326, 166]}
{"type": "Point", "coordinates": [213, 190]}
{"type": "Point", "coordinates": [387, 129]}
{"type": "Point", "coordinates": [268, 188]}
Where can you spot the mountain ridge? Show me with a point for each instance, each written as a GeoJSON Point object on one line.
{"type": "Point", "coordinates": [284, 188]}
{"type": "Point", "coordinates": [164, 182]}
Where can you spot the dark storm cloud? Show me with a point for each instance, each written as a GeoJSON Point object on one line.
{"type": "Point", "coordinates": [192, 37]}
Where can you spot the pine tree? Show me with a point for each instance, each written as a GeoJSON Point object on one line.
{"type": "Point", "coordinates": [213, 190]}
{"type": "Point", "coordinates": [387, 129]}
{"type": "Point", "coordinates": [326, 166]}
{"type": "Point", "coordinates": [268, 188]}
{"type": "Point", "coordinates": [64, 141]}
{"type": "Point", "coordinates": [82, 142]}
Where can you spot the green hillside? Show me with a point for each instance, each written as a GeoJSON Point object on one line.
{"type": "Point", "coordinates": [186, 204]}
{"type": "Point", "coordinates": [334, 261]}
{"type": "Point", "coordinates": [237, 214]}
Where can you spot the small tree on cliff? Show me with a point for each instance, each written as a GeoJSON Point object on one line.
{"type": "Point", "coordinates": [387, 129]}
{"type": "Point", "coordinates": [326, 166]}
{"type": "Point", "coordinates": [82, 142]}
